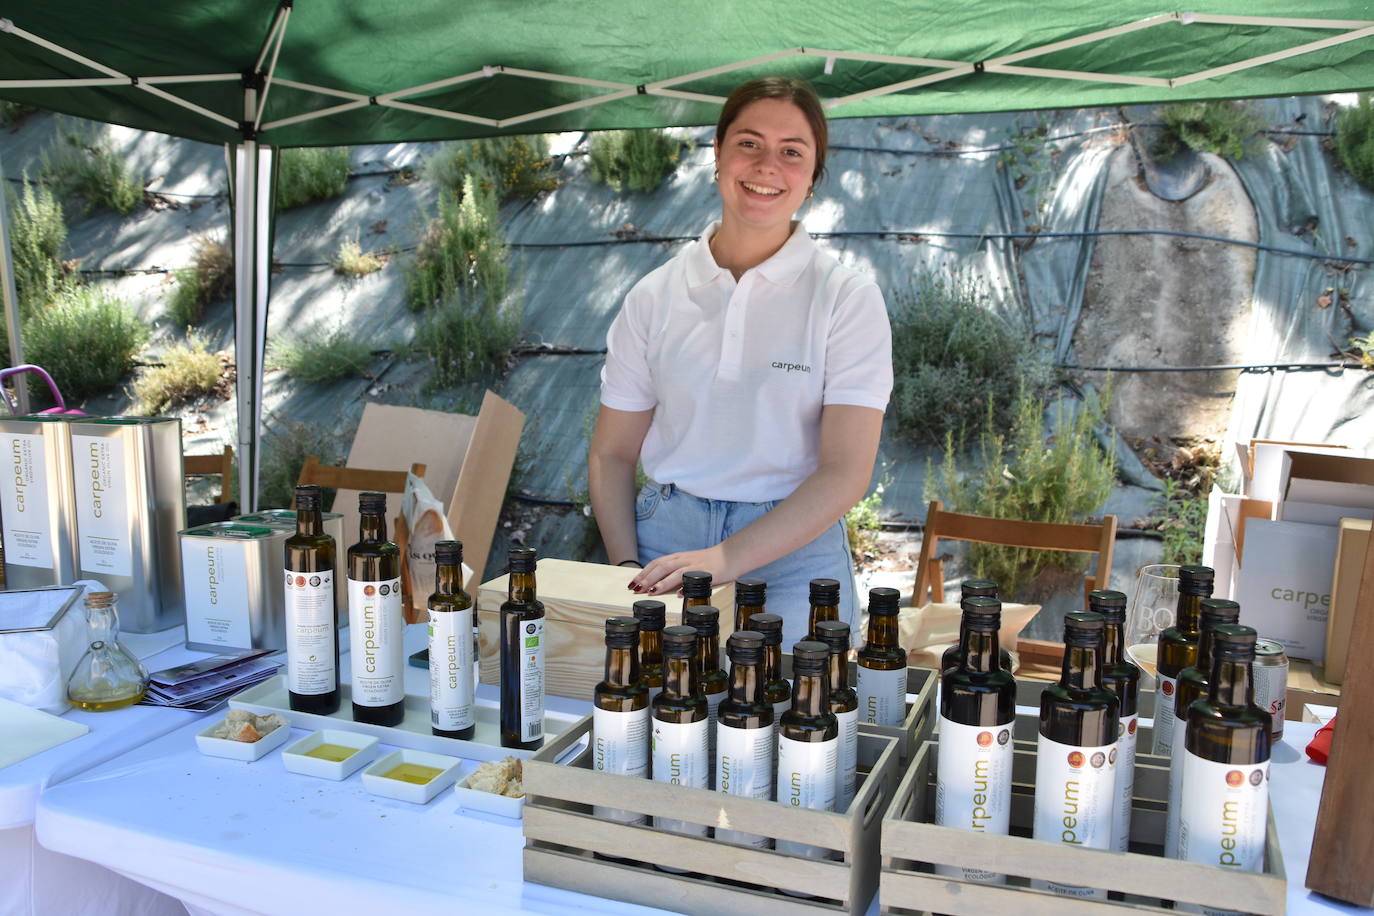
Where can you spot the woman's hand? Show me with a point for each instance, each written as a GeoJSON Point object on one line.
{"type": "Point", "coordinates": [663, 576]}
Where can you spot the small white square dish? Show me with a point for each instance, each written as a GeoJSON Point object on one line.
{"type": "Point", "coordinates": [322, 753]}
{"type": "Point", "coordinates": [439, 771]}
{"type": "Point", "coordinates": [488, 802]}
{"type": "Point", "coordinates": [247, 751]}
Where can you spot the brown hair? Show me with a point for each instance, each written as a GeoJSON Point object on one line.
{"type": "Point", "coordinates": [796, 91]}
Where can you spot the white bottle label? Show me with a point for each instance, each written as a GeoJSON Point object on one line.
{"type": "Point", "coordinates": [1178, 748]}
{"type": "Point", "coordinates": [779, 708]}
{"type": "Point", "coordinates": [654, 690]}
{"type": "Point", "coordinates": [882, 696]}
{"type": "Point", "coordinates": [1166, 696]}
{"type": "Point", "coordinates": [713, 701]}
{"type": "Point", "coordinates": [744, 759]}
{"type": "Point", "coordinates": [848, 759]}
{"type": "Point", "coordinates": [24, 502]}
{"type": "Point", "coordinates": [681, 757]}
{"type": "Point", "coordinates": [310, 632]}
{"type": "Point", "coordinates": [1125, 781]}
{"type": "Point", "coordinates": [973, 791]}
{"type": "Point", "coordinates": [102, 506]}
{"type": "Point", "coordinates": [806, 779]}
{"type": "Point", "coordinates": [1075, 797]}
{"type": "Point", "coordinates": [531, 679]}
{"type": "Point", "coordinates": [1225, 813]}
{"type": "Point", "coordinates": [620, 745]}
{"type": "Point", "coordinates": [377, 656]}
{"type": "Point", "coordinates": [476, 652]}
{"type": "Point", "coordinates": [450, 670]}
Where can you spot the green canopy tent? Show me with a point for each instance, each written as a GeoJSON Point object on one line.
{"type": "Point", "coordinates": [258, 75]}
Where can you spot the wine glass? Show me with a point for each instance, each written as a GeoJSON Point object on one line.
{"type": "Point", "coordinates": [1151, 612]}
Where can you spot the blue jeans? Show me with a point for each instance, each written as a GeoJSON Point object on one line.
{"type": "Point", "coordinates": [668, 520]}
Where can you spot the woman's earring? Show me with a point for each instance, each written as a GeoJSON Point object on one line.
{"type": "Point", "coordinates": [715, 176]}
{"type": "Point", "coordinates": [811, 192]}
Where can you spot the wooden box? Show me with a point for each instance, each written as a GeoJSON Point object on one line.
{"type": "Point", "coordinates": [562, 836]}
{"type": "Point", "coordinates": [911, 844]}
{"type": "Point", "coordinates": [577, 598]}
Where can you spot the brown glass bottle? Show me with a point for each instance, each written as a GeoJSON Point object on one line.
{"type": "Point", "coordinates": [620, 714]}
{"type": "Point", "coordinates": [745, 741]}
{"type": "Point", "coordinates": [843, 702]}
{"type": "Point", "coordinates": [1122, 678]}
{"type": "Point", "coordinates": [312, 636]}
{"type": "Point", "coordinates": [750, 595]}
{"type": "Point", "coordinates": [808, 741]}
{"type": "Point", "coordinates": [776, 689]}
{"type": "Point", "coordinates": [650, 614]}
{"type": "Point", "coordinates": [881, 675]}
{"type": "Point", "coordinates": [679, 722]}
{"type": "Point", "coordinates": [522, 656]}
{"type": "Point", "coordinates": [971, 588]}
{"type": "Point", "coordinates": [824, 596]}
{"type": "Point", "coordinates": [1177, 649]}
{"type": "Point", "coordinates": [452, 697]}
{"type": "Point", "coordinates": [375, 621]}
{"type": "Point", "coordinates": [714, 682]}
{"type": "Point", "coordinates": [696, 590]}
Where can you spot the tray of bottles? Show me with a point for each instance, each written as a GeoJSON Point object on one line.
{"type": "Point", "coordinates": [917, 725]}
{"type": "Point", "coordinates": [568, 846]}
{"type": "Point", "coordinates": [414, 731]}
{"type": "Point", "coordinates": [912, 845]}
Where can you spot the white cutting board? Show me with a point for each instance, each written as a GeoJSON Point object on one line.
{"type": "Point", "coordinates": [32, 731]}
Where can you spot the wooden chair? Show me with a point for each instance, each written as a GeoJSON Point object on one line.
{"type": "Point", "coordinates": [1037, 656]}
{"type": "Point", "coordinates": [221, 465]}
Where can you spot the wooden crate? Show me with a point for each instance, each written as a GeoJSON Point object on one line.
{"type": "Point", "coordinates": [562, 835]}
{"type": "Point", "coordinates": [910, 843]}
{"type": "Point", "coordinates": [921, 714]}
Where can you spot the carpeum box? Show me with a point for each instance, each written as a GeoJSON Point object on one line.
{"type": "Point", "coordinates": [235, 595]}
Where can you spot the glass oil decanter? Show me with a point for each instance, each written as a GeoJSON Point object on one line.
{"type": "Point", "coordinates": [108, 676]}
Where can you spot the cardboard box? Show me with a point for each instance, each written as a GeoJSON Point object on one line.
{"type": "Point", "coordinates": [1328, 480]}
{"type": "Point", "coordinates": [577, 598]}
{"type": "Point", "coordinates": [1261, 463]}
{"type": "Point", "coordinates": [1285, 583]}
{"type": "Point", "coordinates": [1352, 543]}
{"type": "Point", "coordinates": [1223, 540]}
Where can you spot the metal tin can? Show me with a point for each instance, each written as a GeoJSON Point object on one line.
{"type": "Point", "coordinates": [1270, 674]}
{"type": "Point", "coordinates": [232, 574]}
{"type": "Point", "coordinates": [37, 501]}
{"type": "Point", "coordinates": [333, 526]}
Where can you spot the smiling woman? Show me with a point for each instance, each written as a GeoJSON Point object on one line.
{"type": "Point", "coordinates": [749, 375]}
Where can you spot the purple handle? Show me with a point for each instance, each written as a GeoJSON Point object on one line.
{"type": "Point", "coordinates": [52, 387]}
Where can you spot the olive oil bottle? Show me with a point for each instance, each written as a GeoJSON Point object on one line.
{"type": "Point", "coordinates": [824, 596]}
{"type": "Point", "coordinates": [971, 588]}
{"type": "Point", "coordinates": [776, 689]}
{"type": "Point", "coordinates": [620, 715]}
{"type": "Point", "coordinates": [312, 636]}
{"type": "Point", "coordinates": [977, 709]}
{"type": "Point", "coordinates": [375, 622]}
{"type": "Point", "coordinates": [696, 590]}
{"type": "Point", "coordinates": [715, 683]}
{"type": "Point", "coordinates": [808, 741]}
{"type": "Point", "coordinates": [522, 656]}
{"type": "Point", "coordinates": [745, 732]}
{"type": "Point", "coordinates": [882, 663]}
{"type": "Point", "coordinates": [1178, 650]}
{"type": "Point", "coordinates": [750, 595]}
{"type": "Point", "coordinates": [650, 614]}
{"type": "Point", "coordinates": [1226, 764]}
{"type": "Point", "coordinates": [844, 704]}
{"type": "Point", "coordinates": [1191, 687]}
{"type": "Point", "coordinates": [1075, 766]}
{"type": "Point", "coordinates": [680, 753]}
{"type": "Point", "coordinates": [1123, 679]}
{"type": "Point", "coordinates": [452, 702]}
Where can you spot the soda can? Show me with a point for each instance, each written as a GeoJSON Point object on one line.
{"type": "Point", "coordinates": [1270, 674]}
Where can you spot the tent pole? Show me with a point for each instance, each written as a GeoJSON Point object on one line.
{"type": "Point", "coordinates": [11, 297]}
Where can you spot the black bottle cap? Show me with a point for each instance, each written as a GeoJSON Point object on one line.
{"type": "Point", "coordinates": [622, 632]}
{"type": "Point", "coordinates": [650, 614]}
{"type": "Point", "coordinates": [834, 633]}
{"type": "Point", "coordinates": [883, 602]}
{"type": "Point", "coordinates": [308, 497]}
{"type": "Point", "coordinates": [810, 657]}
{"type": "Point", "coordinates": [696, 584]}
{"type": "Point", "coordinates": [770, 625]}
{"type": "Point", "coordinates": [679, 642]}
{"type": "Point", "coordinates": [745, 647]}
{"type": "Point", "coordinates": [448, 553]}
{"type": "Point", "coordinates": [1110, 604]}
{"type": "Point", "coordinates": [1196, 580]}
{"type": "Point", "coordinates": [372, 503]}
{"type": "Point", "coordinates": [1083, 629]}
{"type": "Point", "coordinates": [521, 559]}
{"type": "Point", "coordinates": [825, 591]}
{"type": "Point", "coordinates": [1216, 611]}
{"type": "Point", "coordinates": [981, 614]}
{"type": "Point", "coordinates": [1233, 642]}
{"type": "Point", "coordinates": [750, 592]}
{"type": "Point", "coordinates": [978, 588]}
{"type": "Point", "coordinates": [703, 618]}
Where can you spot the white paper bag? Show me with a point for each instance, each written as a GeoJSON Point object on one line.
{"type": "Point", "coordinates": [428, 525]}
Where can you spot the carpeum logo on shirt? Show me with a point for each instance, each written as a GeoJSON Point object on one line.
{"type": "Point", "coordinates": [791, 367]}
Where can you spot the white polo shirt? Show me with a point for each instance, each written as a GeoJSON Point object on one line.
{"type": "Point", "coordinates": [737, 372]}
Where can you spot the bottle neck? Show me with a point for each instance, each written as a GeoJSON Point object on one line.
{"type": "Point", "coordinates": [772, 662]}
{"type": "Point", "coordinates": [707, 654]}
{"type": "Point", "coordinates": [309, 522]}
{"type": "Point", "coordinates": [102, 623]}
{"type": "Point", "coordinates": [651, 647]}
{"type": "Point", "coordinates": [1112, 644]}
{"type": "Point", "coordinates": [811, 695]}
{"type": "Point", "coordinates": [1189, 613]}
{"type": "Point", "coordinates": [882, 631]}
{"type": "Point", "coordinates": [622, 666]}
{"type": "Point", "coordinates": [521, 587]}
{"type": "Point", "coordinates": [838, 670]}
{"type": "Point", "coordinates": [1204, 652]}
{"type": "Point", "coordinates": [1231, 683]}
{"type": "Point", "coordinates": [688, 601]}
{"type": "Point", "coordinates": [679, 676]}
{"type": "Point", "coordinates": [978, 650]}
{"type": "Point", "coordinates": [372, 527]}
{"type": "Point", "coordinates": [448, 580]}
{"type": "Point", "coordinates": [821, 612]}
{"type": "Point", "coordinates": [743, 612]}
{"type": "Point", "coordinates": [1082, 668]}
{"type": "Point", "coordinates": [745, 685]}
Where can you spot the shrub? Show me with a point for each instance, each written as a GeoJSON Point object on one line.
{"type": "Point", "coordinates": [1355, 140]}
{"type": "Point", "coordinates": [86, 339]}
{"type": "Point", "coordinates": [1026, 476]}
{"type": "Point", "coordinates": [1185, 520]}
{"type": "Point", "coordinates": [351, 261]}
{"type": "Point", "coordinates": [463, 342]}
{"type": "Point", "coordinates": [635, 160]}
{"type": "Point", "coordinates": [11, 113]}
{"type": "Point", "coordinates": [188, 370]}
{"type": "Point", "coordinates": [37, 234]}
{"type": "Point", "coordinates": [862, 524]}
{"type": "Point", "coordinates": [88, 167]}
{"type": "Point", "coordinates": [1226, 128]}
{"type": "Point", "coordinates": [284, 447]}
{"type": "Point", "coordinates": [461, 252]}
{"type": "Point", "coordinates": [211, 278]}
{"type": "Point", "coordinates": [321, 356]}
{"type": "Point", "coordinates": [308, 175]}
{"type": "Point", "coordinates": [951, 352]}
{"type": "Point", "coordinates": [506, 167]}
